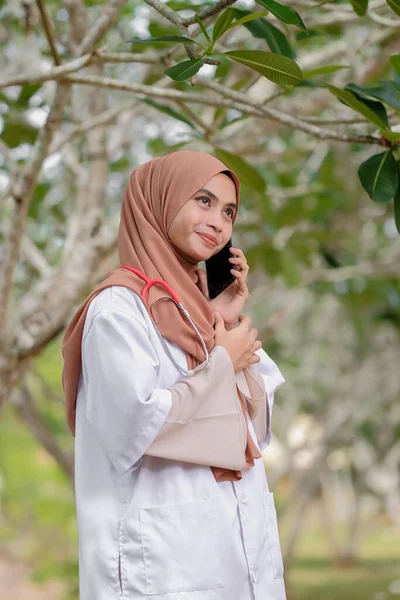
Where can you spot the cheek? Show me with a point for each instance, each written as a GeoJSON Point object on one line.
{"type": "Point", "coordinates": [191, 216]}
{"type": "Point", "coordinates": [228, 231]}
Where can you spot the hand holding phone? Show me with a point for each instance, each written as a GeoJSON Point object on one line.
{"type": "Point", "coordinates": [218, 268]}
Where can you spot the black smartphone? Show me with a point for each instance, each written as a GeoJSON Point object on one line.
{"type": "Point", "coordinates": [218, 270]}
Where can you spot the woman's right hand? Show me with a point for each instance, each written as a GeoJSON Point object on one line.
{"type": "Point", "coordinates": [241, 342]}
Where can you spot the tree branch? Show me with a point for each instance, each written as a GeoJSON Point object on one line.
{"type": "Point", "coordinates": [21, 190]}
{"type": "Point", "coordinates": [195, 118]}
{"type": "Point", "coordinates": [34, 257]}
{"type": "Point", "coordinates": [79, 252]}
{"type": "Point", "coordinates": [377, 271]}
{"type": "Point", "coordinates": [126, 57]}
{"type": "Point", "coordinates": [208, 12]}
{"type": "Point", "coordinates": [332, 121]}
{"type": "Point", "coordinates": [146, 91]}
{"type": "Point", "coordinates": [240, 102]}
{"type": "Point", "coordinates": [104, 118]}
{"type": "Point", "coordinates": [166, 12]}
{"type": "Point", "coordinates": [77, 64]}
{"type": "Point", "coordinates": [51, 74]}
{"type": "Point", "coordinates": [285, 119]}
{"type": "Point", "coordinates": [48, 31]}
{"type": "Point", "coordinates": [383, 20]}
{"type": "Point", "coordinates": [334, 7]}
{"type": "Point", "coordinates": [30, 415]}
{"type": "Point", "coordinates": [103, 24]}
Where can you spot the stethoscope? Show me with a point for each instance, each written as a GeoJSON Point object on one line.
{"type": "Point", "coordinates": [144, 293]}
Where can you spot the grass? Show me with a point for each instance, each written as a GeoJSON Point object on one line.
{"type": "Point", "coordinates": [315, 575]}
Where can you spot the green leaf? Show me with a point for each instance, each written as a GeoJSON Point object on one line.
{"type": "Point", "coordinates": [185, 69]}
{"type": "Point", "coordinates": [279, 69]}
{"type": "Point", "coordinates": [169, 111]}
{"type": "Point", "coordinates": [249, 17]}
{"type": "Point", "coordinates": [17, 131]}
{"type": "Point", "coordinates": [395, 6]}
{"type": "Point", "coordinates": [38, 196]}
{"type": "Point", "coordinates": [285, 14]}
{"type": "Point", "coordinates": [159, 28]}
{"type": "Point", "coordinates": [289, 265]}
{"type": "Point", "coordinates": [396, 205]}
{"type": "Point", "coordinates": [173, 39]}
{"type": "Point", "coordinates": [371, 103]}
{"type": "Point", "coordinates": [245, 172]}
{"type": "Point", "coordinates": [204, 30]}
{"type": "Point", "coordinates": [323, 71]}
{"type": "Point", "coordinates": [359, 6]}
{"type": "Point", "coordinates": [393, 136]}
{"type": "Point", "coordinates": [262, 29]}
{"type": "Point", "coordinates": [306, 35]}
{"type": "Point", "coordinates": [308, 83]}
{"type": "Point", "coordinates": [223, 23]}
{"type": "Point", "coordinates": [271, 259]}
{"type": "Point", "coordinates": [158, 146]}
{"type": "Point", "coordinates": [26, 93]}
{"type": "Point", "coordinates": [392, 92]}
{"type": "Point", "coordinates": [395, 62]}
{"type": "Point", "coordinates": [379, 176]}
{"type": "Point", "coordinates": [359, 106]}
{"type": "Point", "coordinates": [387, 93]}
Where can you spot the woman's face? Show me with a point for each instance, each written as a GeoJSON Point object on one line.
{"type": "Point", "coordinates": [204, 224]}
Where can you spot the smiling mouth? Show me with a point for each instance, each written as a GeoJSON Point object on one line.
{"type": "Point", "coordinates": [208, 239]}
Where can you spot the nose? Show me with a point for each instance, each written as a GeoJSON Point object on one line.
{"type": "Point", "coordinates": [215, 221]}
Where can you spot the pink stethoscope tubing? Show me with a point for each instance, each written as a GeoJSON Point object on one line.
{"type": "Point", "coordinates": [144, 293]}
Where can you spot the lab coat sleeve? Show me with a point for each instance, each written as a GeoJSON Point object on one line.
{"type": "Point", "coordinates": [206, 425]}
{"type": "Point", "coordinates": [273, 379]}
{"type": "Point", "coordinates": [198, 420]}
{"type": "Point", "coordinates": [123, 403]}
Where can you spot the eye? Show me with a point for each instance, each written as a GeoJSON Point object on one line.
{"type": "Point", "coordinates": [230, 212]}
{"type": "Point", "coordinates": [201, 198]}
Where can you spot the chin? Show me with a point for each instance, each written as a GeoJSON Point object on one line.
{"type": "Point", "coordinates": [200, 256]}
{"type": "Point", "coordinates": [199, 252]}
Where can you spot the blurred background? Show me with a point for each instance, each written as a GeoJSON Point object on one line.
{"type": "Point", "coordinates": [324, 258]}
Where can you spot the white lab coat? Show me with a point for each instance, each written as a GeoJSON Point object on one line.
{"type": "Point", "coordinates": [151, 527]}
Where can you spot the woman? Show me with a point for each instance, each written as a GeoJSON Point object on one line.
{"type": "Point", "coordinates": [171, 494]}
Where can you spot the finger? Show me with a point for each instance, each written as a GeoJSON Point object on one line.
{"type": "Point", "coordinates": [255, 359]}
{"type": "Point", "coordinates": [241, 281]}
{"type": "Point", "coordinates": [238, 252]}
{"type": "Point", "coordinates": [240, 275]}
{"type": "Point", "coordinates": [219, 321]}
{"type": "Point", "coordinates": [257, 345]}
{"type": "Point", "coordinates": [240, 262]}
{"type": "Point", "coordinates": [244, 321]}
{"type": "Point", "coordinates": [254, 333]}
{"type": "Point", "coordinates": [241, 268]}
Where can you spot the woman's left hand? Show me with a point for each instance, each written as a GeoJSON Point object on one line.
{"type": "Point", "coordinates": [230, 302]}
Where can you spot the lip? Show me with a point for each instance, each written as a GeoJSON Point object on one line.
{"type": "Point", "coordinates": [208, 238]}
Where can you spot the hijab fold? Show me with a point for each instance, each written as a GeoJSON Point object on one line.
{"type": "Point", "coordinates": [156, 192]}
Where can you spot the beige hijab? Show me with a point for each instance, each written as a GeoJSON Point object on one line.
{"type": "Point", "coordinates": [155, 193]}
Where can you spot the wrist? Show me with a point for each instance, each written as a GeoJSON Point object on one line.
{"type": "Point", "coordinates": [229, 326]}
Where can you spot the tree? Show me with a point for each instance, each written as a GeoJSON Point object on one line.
{"type": "Point", "coordinates": [295, 104]}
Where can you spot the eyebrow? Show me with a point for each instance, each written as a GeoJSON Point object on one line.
{"type": "Point", "coordinates": [215, 198]}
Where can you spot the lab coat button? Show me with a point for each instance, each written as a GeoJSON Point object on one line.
{"type": "Point", "coordinates": [253, 576]}
{"type": "Point", "coordinates": [243, 497]}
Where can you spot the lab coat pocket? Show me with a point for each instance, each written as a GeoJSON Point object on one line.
{"type": "Point", "coordinates": [273, 535]}
{"type": "Point", "coordinates": [179, 545]}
